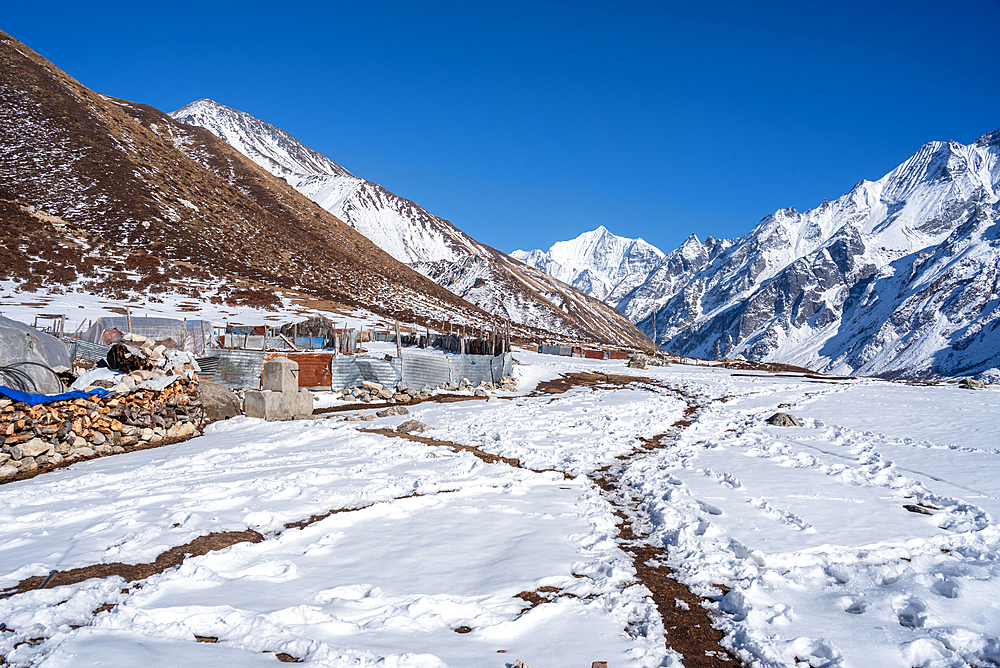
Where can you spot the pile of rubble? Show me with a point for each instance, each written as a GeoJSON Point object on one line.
{"type": "Point", "coordinates": [369, 391]}
{"type": "Point", "coordinates": [643, 361]}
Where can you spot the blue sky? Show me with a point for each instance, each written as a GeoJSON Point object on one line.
{"type": "Point", "coordinates": [528, 123]}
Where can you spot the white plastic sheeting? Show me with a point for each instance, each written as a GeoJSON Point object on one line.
{"type": "Point", "coordinates": [26, 348]}
{"type": "Point", "coordinates": [190, 335]}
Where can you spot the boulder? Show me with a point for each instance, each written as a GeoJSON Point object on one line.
{"type": "Point", "coordinates": [784, 420]}
{"type": "Point", "coordinates": [972, 384]}
{"type": "Point", "coordinates": [385, 394]}
{"type": "Point", "coordinates": [371, 386]}
{"type": "Point", "coordinates": [637, 362]}
{"type": "Point", "coordinates": [7, 471]}
{"type": "Point", "coordinates": [402, 398]}
{"type": "Point", "coordinates": [411, 426]}
{"type": "Point", "coordinates": [219, 402]}
{"type": "Point", "coordinates": [392, 410]}
{"type": "Point", "coordinates": [480, 392]}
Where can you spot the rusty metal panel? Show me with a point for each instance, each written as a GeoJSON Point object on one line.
{"type": "Point", "coordinates": [617, 355]}
{"type": "Point", "coordinates": [314, 368]}
{"type": "Point", "coordinates": [423, 369]}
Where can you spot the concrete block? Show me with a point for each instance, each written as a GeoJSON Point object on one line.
{"type": "Point", "coordinates": [301, 403]}
{"type": "Point", "coordinates": [280, 375]}
{"type": "Point", "coordinates": [267, 405]}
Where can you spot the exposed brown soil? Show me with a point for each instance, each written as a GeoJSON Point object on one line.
{"type": "Point", "coordinates": [567, 381]}
{"type": "Point", "coordinates": [771, 367]}
{"type": "Point", "coordinates": [301, 524]}
{"type": "Point", "coordinates": [175, 556]}
{"type": "Point", "coordinates": [436, 399]}
{"type": "Point", "coordinates": [487, 457]}
{"type": "Point", "coordinates": [688, 626]}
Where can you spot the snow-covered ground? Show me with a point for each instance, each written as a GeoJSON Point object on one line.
{"type": "Point", "coordinates": [805, 527]}
{"type": "Point", "coordinates": [81, 307]}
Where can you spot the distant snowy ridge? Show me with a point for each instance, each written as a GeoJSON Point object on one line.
{"type": "Point", "coordinates": [897, 277]}
{"type": "Point", "coordinates": [433, 246]}
{"type": "Point", "coordinates": [601, 264]}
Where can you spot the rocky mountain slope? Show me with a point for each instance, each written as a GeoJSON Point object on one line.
{"type": "Point", "coordinates": [899, 277]}
{"type": "Point", "coordinates": [120, 199]}
{"type": "Point", "coordinates": [433, 246]}
{"type": "Point", "coordinates": [165, 197]}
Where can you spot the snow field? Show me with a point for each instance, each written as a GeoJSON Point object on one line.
{"type": "Point", "coordinates": [382, 585]}
{"type": "Point", "coordinates": [798, 536]}
{"type": "Point", "coordinates": [808, 529]}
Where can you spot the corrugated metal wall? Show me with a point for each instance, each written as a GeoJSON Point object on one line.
{"type": "Point", "coordinates": [238, 369]}
{"type": "Point", "coordinates": [349, 371]}
{"type": "Point", "coordinates": [420, 370]}
{"type": "Point", "coordinates": [479, 368]}
{"type": "Point", "coordinates": [85, 350]}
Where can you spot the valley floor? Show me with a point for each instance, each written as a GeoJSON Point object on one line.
{"type": "Point", "coordinates": [864, 538]}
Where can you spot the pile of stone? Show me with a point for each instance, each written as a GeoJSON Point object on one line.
{"type": "Point", "coordinates": [643, 361]}
{"type": "Point", "coordinates": [369, 391]}
{"type": "Point", "coordinates": [130, 417]}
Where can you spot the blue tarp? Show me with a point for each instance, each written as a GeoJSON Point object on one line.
{"type": "Point", "coordinates": [36, 399]}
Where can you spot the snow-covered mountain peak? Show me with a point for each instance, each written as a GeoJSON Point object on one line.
{"type": "Point", "coordinates": [414, 236]}
{"type": "Point", "coordinates": [269, 146]}
{"type": "Point", "coordinates": [598, 262]}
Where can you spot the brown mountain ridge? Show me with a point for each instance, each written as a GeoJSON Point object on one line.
{"type": "Point", "coordinates": [143, 195]}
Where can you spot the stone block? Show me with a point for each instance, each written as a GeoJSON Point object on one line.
{"type": "Point", "coordinates": [301, 403]}
{"type": "Point", "coordinates": [267, 405]}
{"type": "Point", "coordinates": [280, 375]}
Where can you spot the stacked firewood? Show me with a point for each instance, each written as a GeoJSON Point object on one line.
{"type": "Point", "coordinates": [69, 430]}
